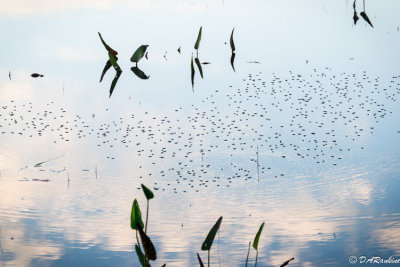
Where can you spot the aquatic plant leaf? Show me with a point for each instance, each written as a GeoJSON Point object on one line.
{"type": "Point", "coordinates": [257, 237]}
{"type": "Point", "coordinates": [211, 235]}
{"type": "Point", "coordinates": [114, 82]}
{"type": "Point", "coordinates": [149, 249]}
{"type": "Point", "coordinates": [139, 53]}
{"type": "Point", "coordinates": [231, 41]}
{"type": "Point", "coordinates": [199, 66]}
{"type": "Point", "coordinates": [142, 258]}
{"type": "Point", "coordinates": [138, 72]}
{"type": "Point", "coordinates": [106, 68]}
{"type": "Point", "coordinates": [365, 17]}
{"type": "Point", "coordinates": [200, 261]}
{"type": "Point", "coordinates": [233, 61]}
{"type": "Point", "coordinates": [108, 48]}
{"type": "Point", "coordinates": [192, 71]}
{"type": "Point", "coordinates": [113, 61]}
{"type": "Point", "coordinates": [197, 44]}
{"type": "Point", "coordinates": [40, 163]}
{"type": "Point", "coordinates": [286, 262]}
{"type": "Point", "coordinates": [179, 50]}
{"type": "Point", "coordinates": [136, 215]}
{"type": "Point", "coordinates": [147, 192]}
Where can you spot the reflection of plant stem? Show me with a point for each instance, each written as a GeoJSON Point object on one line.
{"type": "Point", "coordinates": [147, 216]}
{"type": "Point", "coordinates": [209, 257]}
{"type": "Point", "coordinates": [364, 4]}
{"type": "Point", "coordinates": [137, 239]}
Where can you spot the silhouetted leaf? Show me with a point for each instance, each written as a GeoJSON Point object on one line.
{"type": "Point", "coordinates": [114, 82]}
{"type": "Point", "coordinates": [197, 44]}
{"type": "Point", "coordinates": [147, 192]}
{"type": "Point", "coordinates": [139, 53]}
{"type": "Point", "coordinates": [179, 50]}
{"type": "Point", "coordinates": [36, 75]}
{"type": "Point", "coordinates": [106, 68]}
{"type": "Point", "coordinates": [192, 71]}
{"type": "Point", "coordinates": [109, 49]}
{"type": "Point", "coordinates": [142, 258]}
{"type": "Point", "coordinates": [211, 235]}
{"type": "Point", "coordinates": [355, 17]}
{"type": "Point", "coordinates": [200, 261]}
{"type": "Point", "coordinates": [138, 72]}
{"type": "Point", "coordinates": [231, 41]}
{"type": "Point", "coordinates": [199, 66]}
{"type": "Point", "coordinates": [286, 262]}
{"type": "Point", "coordinates": [365, 17]}
{"type": "Point", "coordinates": [257, 237]}
{"type": "Point", "coordinates": [149, 249]}
{"type": "Point", "coordinates": [136, 215]}
{"type": "Point", "coordinates": [233, 61]}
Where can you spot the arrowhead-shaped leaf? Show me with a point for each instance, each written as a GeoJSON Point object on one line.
{"type": "Point", "coordinates": [257, 237]}
{"type": "Point", "coordinates": [211, 235]}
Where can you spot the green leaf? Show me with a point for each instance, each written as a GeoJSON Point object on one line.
{"type": "Point", "coordinates": [109, 49]}
{"type": "Point", "coordinates": [147, 192]}
{"type": "Point", "coordinates": [211, 235]}
{"type": "Point", "coordinates": [106, 68]}
{"type": "Point", "coordinates": [197, 44]}
{"type": "Point", "coordinates": [139, 53]}
{"type": "Point", "coordinates": [200, 261]}
{"type": "Point", "coordinates": [138, 72]}
{"type": "Point", "coordinates": [192, 71]}
{"type": "Point", "coordinates": [114, 82]}
{"type": "Point", "coordinates": [199, 66]}
{"type": "Point", "coordinates": [136, 215]}
{"type": "Point", "coordinates": [113, 61]}
{"type": "Point", "coordinates": [257, 237]}
{"type": "Point", "coordinates": [149, 249]}
{"type": "Point", "coordinates": [40, 163]}
{"type": "Point", "coordinates": [141, 256]}
{"type": "Point", "coordinates": [231, 41]}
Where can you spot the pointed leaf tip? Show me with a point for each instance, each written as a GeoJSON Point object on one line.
{"type": "Point", "coordinates": [211, 235]}
{"type": "Point", "coordinates": [197, 44]}
{"type": "Point", "coordinates": [136, 215]}
{"type": "Point", "coordinates": [257, 237]}
{"type": "Point", "coordinates": [147, 192]}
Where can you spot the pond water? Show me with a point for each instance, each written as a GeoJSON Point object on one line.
{"type": "Point", "coordinates": [301, 131]}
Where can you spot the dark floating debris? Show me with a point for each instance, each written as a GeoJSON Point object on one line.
{"type": "Point", "coordinates": [253, 62]}
{"type": "Point", "coordinates": [34, 75]}
{"type": "Point", "coordinates": [179, 50]}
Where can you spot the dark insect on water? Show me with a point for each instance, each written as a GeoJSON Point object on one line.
{"type": "Point", "coordinates": [36, 75]}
